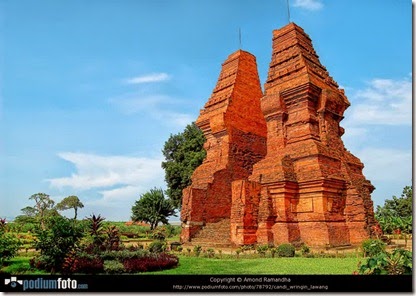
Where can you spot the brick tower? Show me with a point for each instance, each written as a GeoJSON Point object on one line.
{"type": "Point", "coordinates": [308, 188]}
{"type": "Point", "coordinates": [235, 129]}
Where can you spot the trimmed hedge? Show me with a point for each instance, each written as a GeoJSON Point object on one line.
{"type": "Point", "coordinates": [286, 250]}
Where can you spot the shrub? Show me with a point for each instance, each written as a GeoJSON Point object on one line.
{"type": "Point", "coordinates": [247, 248]}
{"type": "Point", "coordinates": [157, 247]}
{"type": "Point", "coordinates": [40, 263]}
{"type": "Point", "coordinates": [81, 262]}
{"type": "Point", "coordinates": [305, 250]}
{"type": "Point", "coordinates": [56, 241]}
{"type": "Point", "coordinates": [373, 247]}
{"type": "Point", "coordinates": [150, 263]}
{"type": "Point", "coordinates": [197, 250]}
{"type": "Point", "coordinates": [262, 249]}
{"type": "Point", "coordinates": [286, 250]}
{"type": "Point", "coordinates": [95, 229]}
{"type": "Point", "coordinates": [113, 267]}
{"type": "Point", "coordinates": [172, 230]}
{"type": "Point", "coordinates": [9, 244]}
{"type": "Point", "coordinates": [88, 265]}
{"type": "Point", "coordinates": [210, 253]}
{"type": "Point", "coordinates": [112, 238]}
{"type": "Point", "coordinates": [395, 263]}
{"type": "Point", "coordinates": [159, 233]}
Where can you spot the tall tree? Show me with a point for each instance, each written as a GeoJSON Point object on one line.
{"type": "Point", "coordinates": [70, 202]}
{"type": "Point", "coordinates": [44, 207]}
{"type": "Point", "coordinates": [183, 153]}
{"type": "Point", "coordinates": [152, 207]}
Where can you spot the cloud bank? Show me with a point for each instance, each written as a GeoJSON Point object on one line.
{"type": "Point", "coordinates": [383, 102]}
{"type": "Point", "coordinates": [117, 179]}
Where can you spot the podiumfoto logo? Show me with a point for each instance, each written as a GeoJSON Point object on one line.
{"type": "Point", "coordinates": [13, 281]}
{"type": "Point", "coordinates": [46, 284]}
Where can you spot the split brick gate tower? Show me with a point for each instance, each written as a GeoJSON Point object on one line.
{"type": "Point", "coordinates": [276, 169]}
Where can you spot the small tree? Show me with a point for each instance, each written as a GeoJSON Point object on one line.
{"type": "Point", "coordinates": [152, 207]}
{"type": "Point", "coordinates": [9, 245]}
{"type": "Point", "coordinates": [56, 241]}
{"type": "Point", "coordinates": [70, 202]}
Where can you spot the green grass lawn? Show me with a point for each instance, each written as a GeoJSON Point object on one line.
{"type": "Point", "coordinates": [295, 265]}
{"type": "Point", "coordinates": [20, 265]}
{"type": "Point", "coordinates": [199, 265]}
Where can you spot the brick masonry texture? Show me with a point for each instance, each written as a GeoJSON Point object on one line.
{"type": "Point", "coordinates": [276, 169]}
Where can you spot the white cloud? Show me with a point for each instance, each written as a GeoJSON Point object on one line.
{"type": "Point", "coordinates": [386, 164]}
{"type": "Point", "coordinates": [95, 171]}
{"type": "Point", "coordinates": [383, 102]}
{"type": "Point", "coordinates": [150, 78]}
{"type": "Point", "coordinates": [308, 4]}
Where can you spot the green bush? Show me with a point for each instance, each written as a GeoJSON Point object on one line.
{"type": "Point", "coordinates": [395, 263]}
{"type": "Point", "coordinates": [262, 249]}
{"type": "Point", "coordinates": [210, 253]}
{"type": "Point", "coordinates": [9, 244]}
{"type": "Point", "coordinates": [247, 248]}
{"type": "Point", "coordinates": [157, 247]}
{"type": "Point", "coordinates": [305, 250]}
{"type": "Point", "coordinates": [197, 250]}
{"type": "Point", "coordinates": [113, 267]}
{"type": "Point", "coordinates": [286, 250]}
{"type": "Point", "coordinates": [56, 241]}
{"type": "Point", "coordinates": [172, 230]}
{"type": "Point", "coordinates": [159, 233]}
{"type": "Point", "coordinates": [373, 247]}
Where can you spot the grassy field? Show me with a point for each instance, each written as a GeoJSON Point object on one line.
{"type": "Point", "coordinates": [20, 265]}
{"type": "Point", "coordinates": [198, 265]}
{"type": "Point", "coordinates": [296, 265]}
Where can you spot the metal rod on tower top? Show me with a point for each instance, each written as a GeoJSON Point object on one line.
{"type": "Point", "coordinates": [239, 36]}
{"type": "Point", "coordinates": [288, 11]}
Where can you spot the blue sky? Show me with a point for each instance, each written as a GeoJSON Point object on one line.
{"type": "Point", "coordinates": [90, 90]}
